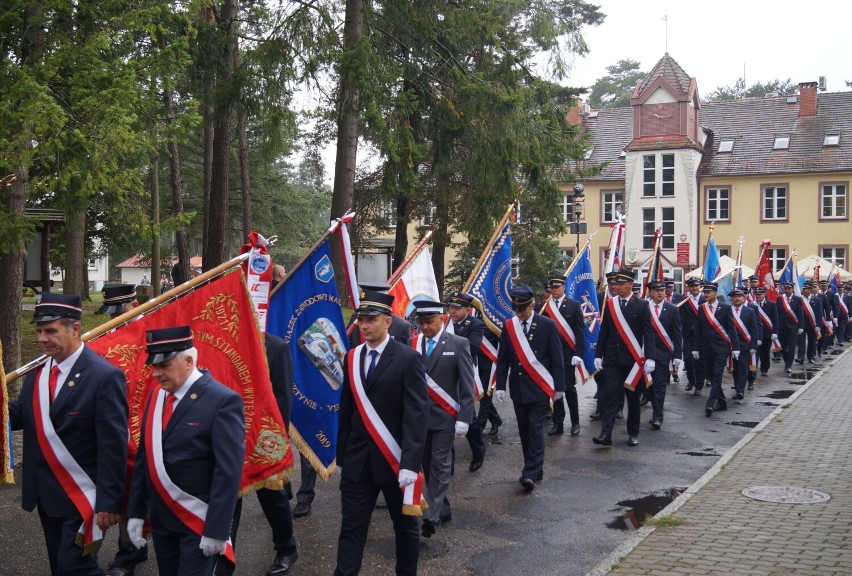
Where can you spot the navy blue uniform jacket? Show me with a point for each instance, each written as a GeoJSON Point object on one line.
{"type": "Point", "coordinates": [546, 344]}
{"type": "Point", "coordinates": [203, 450]}
{"type": "Point", "coordinates": [90, 418]}
{"type": "Point", "coordinates": [611, 346]}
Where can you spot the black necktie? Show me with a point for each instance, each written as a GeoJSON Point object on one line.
{"type": "Point", "coordinates": [623, 303]}
{"type": "Point", "coordinates": [374, 354]}
{"type": "Point", "coordinates": [525, 326]}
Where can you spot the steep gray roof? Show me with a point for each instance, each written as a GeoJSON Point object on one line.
{"type": "Point", "coordinates": [671, 72]}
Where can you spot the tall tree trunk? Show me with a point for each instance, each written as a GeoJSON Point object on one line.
{"type": "Point", "coordinates": [75, 246]}
{"type": "Point", "coordinates": [207, 116]}
{"type": "Point", "coordinates": [245, 181]}
{"type": "Point", "coordinates": [440, 226]}
{"type": "Point", "coordinates": [347, 133]}
{"type": "Point", "coordinates": [400, 245]}
{"type": "Point", "coordinates": [216, 242]}
{"type": "Point", "coordinates": [14, 197]}
{"type": "Point", "coordinates": [156, 259]}
{"type": "Point", "coordinates": [177, 192]}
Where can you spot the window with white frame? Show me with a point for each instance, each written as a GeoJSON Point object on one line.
{"type": "Point", "coordinates": [93, 263]}
{"type": "Point", "coordinates": [781, 143]}
{"type": "Point", "coordinates": [774, 203]}
{"type": "Point", "coordinates": [668, 188]}
{"type": "Point", "coordinates": [718, 204]}
{"type": "Point", "coordinates": [726, 146]}
{"type": "Point", "coordinates": [649, 226]}
{"type": "Point", "coordinates": [612, 202]}
{"type": "Point", "coordinates": [777, 258]}
{"type": "Point", "coordinates": [567, 253]}
{"type": "Point", "coordinates": [835, 254]}
{"type": "Point", "coordinates": [429, 217]}
{"type": "Point", "coordinates": [566, 208]}
{"type": "Point", "coordinates": [516, 267]}
{"type": "Point", "coordinates": [387, 213]}
{"type": "Point", "coordinates": [833, 201]}
{"type": "Point", "coordinates": [649, 175]}
{"type": "Point", "coordinates": [667, 227]}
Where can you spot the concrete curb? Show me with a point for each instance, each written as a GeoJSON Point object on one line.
{"type": "Point", "coordinates": [605, 566]}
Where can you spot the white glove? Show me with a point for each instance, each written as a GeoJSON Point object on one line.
{"type": "Point", "coordinates": [576, 361]}
{"type": "Point", "coordinates": [799, 332]}
{"type": "Point", "coordinates": [834, 321]}
{"type": "Point", "coordinates": [676, 364]}
{"type": "Point", "coordinates": [817, 332]}
{"type": "Point", "coordinates": [500, 395]}
{"type": "Point", "coordinates": [134, 531]}
{"type": "Point", "coordinates": [557, 396]}
{"type": "Point", "coordinates": [649, 366]}
{"type": "Point", "coordinates": [736, 354]}
{"type": "Point", "coordinates": [598, 364]}
{"type": "Point", "coordinates": [695, 354]}
{"type": "Point", "coordinates": [759, 342]}
{"type": "Point", "coordinates": [211, 546]}
{"type": "Point", "coordinates": [774, 337]}
{"type": "Point", "coordinates": [461, 428]}
{"type": "Point", "coordinates": [406, 477]}
{"type": "Point", "coordinates": [340, 471]}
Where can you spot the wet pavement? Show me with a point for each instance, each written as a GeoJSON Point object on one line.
{"type": "Point", "coordinates": [591, 502]}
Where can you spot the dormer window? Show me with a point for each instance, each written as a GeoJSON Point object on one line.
{"type": "Point", "coordinates": [726, 146]}
{"type": "Point", "coordinates": [781, 143]}
{"type": "Point", "coordinates": [831, 140]}
{"type": "Point", "coordinates": [589, 152]}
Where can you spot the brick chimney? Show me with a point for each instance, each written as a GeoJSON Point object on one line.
{"type": "Point", "coordinates": [575, 115]}
{"type": "Point", "coordinates": [807, 99]}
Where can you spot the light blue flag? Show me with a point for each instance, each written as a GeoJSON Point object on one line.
{"type": "Point", "coordinates": [492, 284]}
{"type": "Point", "coordinates": [712, 267]}
{"type": "Point", "coordinates": [580, 285]}
{"type": "Point", "coordinates": [306, 313]}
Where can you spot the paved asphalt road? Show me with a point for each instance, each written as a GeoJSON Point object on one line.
{"type": "Point", "coordinates": [561, 528]}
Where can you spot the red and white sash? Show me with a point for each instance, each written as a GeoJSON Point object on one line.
{"type": "Point", "coordinates": [693, 305]}
{"type": "Point", "coordinates": [438, 395]}
{"type": "Point", "coordinates": [661, 332]}
{"type": "Point", "coordinates": [413, 502]}
{"type": "Point", "coordinates": [580, 372]}
{"type": "Point", "coordinates": [77, 484]}
{"type": "Point", "coordinates": [190, 510]}
{"type": "Point", "coordinates": [809, 313]}
{"type": "Point", "coordinates": [637, 373]}
{"type": "Point", "coordinates": [490, 352]}
{"type": "Point", "coordinates": [767, 321]}
{"type": "Point", "coordinates": [785, 303]}
{"type": "Point", "coordinates": [532, 366]}
{"type": "Point", "coordinates": [843, 305]}
{"type": "Point", "coordinates": [741, 328]}
{"type": "Point", "coordinates": [711, 318]}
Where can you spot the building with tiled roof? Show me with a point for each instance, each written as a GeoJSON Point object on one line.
{"type": "Point", "coordinates": [774, 168]}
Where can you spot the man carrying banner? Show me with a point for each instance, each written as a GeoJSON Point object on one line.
{"type": "Point", "coordinates": [717, 343]}
{"type": "Point", "coordinates": [568, 317]}
{"type": "Point", "coordinates": [812, 314]}
{"type": "Point", "coordinates": [189, 461]}
{"type": "Point", "coordinates": [384, 416]}
{"type": "Point", "coordinates": [463, 324]}
{"type": "Point", "coordinates": [449, 381]}
{"type": "Point", "coordinates": [749, 333]}
{"type": "Point", "coordinates": [625, 330]}
{"type": "Point", "coordinates": [531, 350]}
{"type": "Point", "coordinates": [611, 291]}
{"type": "Point", "coordinates": [767, 316]}
{"type": "Point", "coordinates": [788, 308]}
{"type": "Point", "coordinates": [665, 350]}
{"type": "Point", "coordinates": [73, 411]}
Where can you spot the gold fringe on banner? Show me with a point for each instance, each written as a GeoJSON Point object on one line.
{"type": "Point", "coordinates": [7, 476]}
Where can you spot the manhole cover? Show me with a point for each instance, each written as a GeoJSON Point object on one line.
{"type": "Point", "coordinates": [785, 494]}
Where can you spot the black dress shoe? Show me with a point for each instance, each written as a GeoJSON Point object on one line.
{"type": "Point", "coordinates": [656, 424]}
{"type": "Point", "coordinates": [555, 430]}
{"type": "Point", "coordinates": [575, 429]}
{"type": "Point", "coordinates": [619, 414]}
{"type": "Point", "coordinates": [675, 379]}
{"type": "Point", "coordinates": [800, 361]}
{"type": "Point", "coordinates": [811, 361]}
{"type": "Point", "coordinates": [788, 370]}
{"type": "Point", "coordinates": [697, 392]}
{"type": "Point", "coordinates": [493, 430]}
{"type": "Point", "coordinates": [708, 412]}
{"type": "Point", "coordinates": [116, 571]}
{"type": "Point", "coordinates": [446, 518]}
{"type": "Point", "coordinates": [604, 440]}
{"type": "Point", "coordinates": [476, 465]}
{"type": "Point", "coordinates": [428, 528]}
{"type": "Point", "coordinates": [740, 395]}
{"type": "Point", "coordinates": [282, 564]}
{"type": "Point", "coordinates": [720, 407]}
{"type": "Point", "coordinates": [751, 386]}
{"type": "Point", "coordinates": [595, 416]}
{"type": "Point", "coordinates": [633, 441]}
{"type": "Point", "coordinates": [301, 509]}
{"type": "Point", "coordinates": [528, 484]}
{"type": "Point", "coordinates": [643, 401]}
{"type": "Point", "coordinates": [688, 387]}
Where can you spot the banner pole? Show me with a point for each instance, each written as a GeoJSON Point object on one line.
{"type": "Point", "coordinates": [488, 246]}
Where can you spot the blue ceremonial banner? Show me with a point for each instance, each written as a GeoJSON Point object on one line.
{"type": "Point", "coordinates": [790, 273]}
{"type": "Point", "coordinates": [306, 313]}
{"type": "Point", "coordinates": [580, 285]}
{"type": "Point", "coordinates": [494, 280]}
{"type": "Point", "coordinates": [712, 267]}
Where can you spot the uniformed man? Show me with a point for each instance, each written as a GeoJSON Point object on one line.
{"type": "Point", "coordinates": [670, 294]}
{"type": "Point", "coordinates": [666, 349]}
{"type": "Point", "coordinates": [748, 331]}
{"type": "Point", "coordinates": [843, 319]}
{"type": "Point", "coordinates": [812, 330]}
{"type": "Point", "coordinates": [688, 315]}
{"type": "Point", "coordinates": [384, 417]}
{"type": "Point", "coordinates": [189, 462]}
{"type": "Point", "coordinates": [830, 313]}
{"type": "Point", "coordinates": [531, 350]}
{"type": "Point", "coordinates": [626, 323]}
{"type": "Point", "coordinates": [449, 380]}
{"type": "Point", "coordinates": [717, 341]}
{"type": "Point", "coordinates": [461, 323]}
{"type": "Point", "coordinates": [118, 299]}
{"type": "Point", "coordinates": [788, 307]}
{"type": "Point", "coordinates": [568, 316]}
{"type": "Point", "coordinates": [75, 404]}
{"type": "Point", "coordinates": [611, 291]}
{"type": "Point", "coordinates": [767, 317]}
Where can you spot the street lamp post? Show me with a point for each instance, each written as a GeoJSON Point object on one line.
{"type": "Point", "coordinates": [576, 203]}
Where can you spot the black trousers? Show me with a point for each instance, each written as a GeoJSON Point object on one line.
{"type": "Point", "coordinates": [358, 499]}
{"type": "Point", "coordinates": [660, 377]}
{"type": "Point", "coordinates": [178, 553]}
{"type": "Point", "coordinates": [531, 430]}
{"type": "Point", "coordinates": [570, 399]}
{"type": "Point", "coordinates": [741, 370]}
{"type": "Point", "coordinates": [763, 355]}
{"type": "Point", "coordinates": [611, 396]}
{"type": "Point", "coordinates": [788, 339]}
{"type": "Point", "coordinates": [806, 343]}
{"type": "Point", "coordinates": [307, 488]}
{"type": "Point", "coordinates": [714, 369]}
{"type": "Point", "coordinates": [64, 555]}
{"type": "Point", "coordinates": [127, 556]}
{"type": "Point", "coordinates": [694, 368]}
{"type": "Point", "coordinates": [474, 436]}
{"type": "Point", "coordinates": [488, 412]}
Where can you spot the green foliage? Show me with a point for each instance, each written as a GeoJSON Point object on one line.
{"type": "Point", "coordinates": [757, 90]}
{"type": "Point", "coordinates": [615, 89]}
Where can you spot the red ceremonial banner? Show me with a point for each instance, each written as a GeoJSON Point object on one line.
{"type": "Point", "coordinates": [229, 346]}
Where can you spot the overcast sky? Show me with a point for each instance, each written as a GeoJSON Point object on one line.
{"type": "Point", "coordinates": [712, 41]}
